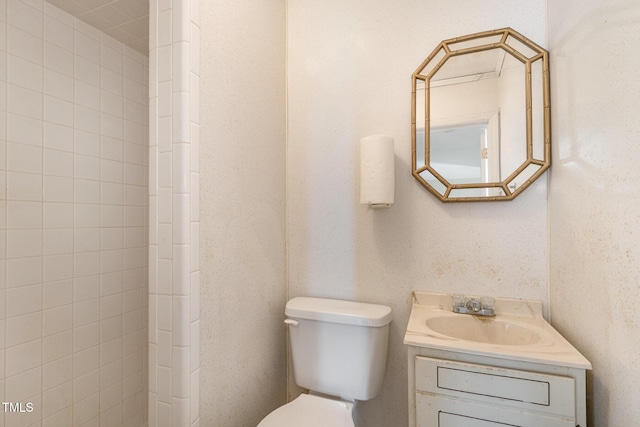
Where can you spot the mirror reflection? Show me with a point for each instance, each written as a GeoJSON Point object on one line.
{"type": "Point", "coordinates": [481, 117]}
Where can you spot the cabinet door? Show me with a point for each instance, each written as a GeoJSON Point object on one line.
{"type": "Point", "coordinates": [438, 411]}
{"type": "Point", "coordinates": [528, 391]}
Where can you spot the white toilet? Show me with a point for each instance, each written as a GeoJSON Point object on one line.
{"type": "Point", "coordinates": [339, 353]}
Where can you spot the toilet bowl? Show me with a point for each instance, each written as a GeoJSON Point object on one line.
{"type": "Point", "coordinates": [311, 411]}
{"type": "Point", "coordinates": [339, 354]}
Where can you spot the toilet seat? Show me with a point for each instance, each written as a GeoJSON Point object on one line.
{"type": "Point", "coordinates": [311, 411]}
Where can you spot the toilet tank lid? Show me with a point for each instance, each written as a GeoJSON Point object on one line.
{"type": "Point", "coordinates": [339, 311]}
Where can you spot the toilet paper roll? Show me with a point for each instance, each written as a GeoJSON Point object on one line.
{"type": "Point", "coordinates": [377, 174]}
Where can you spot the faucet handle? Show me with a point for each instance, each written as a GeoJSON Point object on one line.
{"type": "Point", "coordinates": [459, 300]}
{"type": "Point", "coordinates": [474, 305]}
{"type": "Point", "coordinates": [488, 303]}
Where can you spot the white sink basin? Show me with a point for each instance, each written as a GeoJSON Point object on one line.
{"type": "Point", "coordinates": [485, 330]}
{"type": "Point", "coordinates": [517, 332]}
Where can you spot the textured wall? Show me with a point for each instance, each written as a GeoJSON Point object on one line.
{"type": "Point", "coordinates": [73, 217]}
{"type": "Point", "coordinates": [349, 76]}
{"type": "Point", "coordinates": [242, 153]}
{"type": "Point", "coordinates": [594, 207]}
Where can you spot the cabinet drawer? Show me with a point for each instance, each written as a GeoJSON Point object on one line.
{"type": "Point", "coordinates": [519, 389]}
{"type": "Point", "coordinates": [436, 411]}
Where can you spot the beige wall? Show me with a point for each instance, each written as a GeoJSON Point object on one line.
{"type": "Point", "coordinates": [242, 156]}
{"type": "Point", "coordinates": [594, 208]}
{"type": "Point", "coordinates": [349, 67]}
{"type": "Point", "coordinates": [349, 76]}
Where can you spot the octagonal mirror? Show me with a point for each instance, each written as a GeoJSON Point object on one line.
{"type": "Point", "coordinates": [481, 117]}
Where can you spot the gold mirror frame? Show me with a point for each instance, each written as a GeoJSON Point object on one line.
{"type": "Point", "coordinates": [496, 39]}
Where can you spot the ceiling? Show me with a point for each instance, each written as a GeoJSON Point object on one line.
{"type": "Point", "coordinates": [125, 20]}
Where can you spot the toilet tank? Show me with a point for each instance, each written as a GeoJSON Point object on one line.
{"type": "Point", "coordinates": [338, 347]}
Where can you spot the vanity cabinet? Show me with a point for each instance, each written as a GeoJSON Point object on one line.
{"type": "Point", "coordinates": [454, 394]}
{"type": "Point", "coordinates": [511, 370]}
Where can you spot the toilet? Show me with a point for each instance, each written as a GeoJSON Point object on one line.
{"type": "Point", "coordinates": [339, 353]}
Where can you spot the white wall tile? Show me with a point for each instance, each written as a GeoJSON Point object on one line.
{"type": "Point", "coordinates": [58, 241]}
{"type": "Point", "coordinates": [111, 148]}
{"type": "Point", "coordinates": [58, 215]}
{"type": "Point", "coordinates": [86, 288]}
{"type": "Point", "coordinates": [111, 193]}
{"type": "Point", "coordinates": [25, 17]}
{"type": "Point", "coordinates": [23, 357]}
{"type": "Point", "coordinates": [133, 132]}
{"type": "Point", "coordinates": [111, 171]}
{"type": "Point", "coordinates": [86, 264]}
{"type": "Point", "coordinates": [181, 234]}
{"type": "Point", "coordinates": [57, 346]}
{"type": "Point", "coordinates": [111, 351]}
{"type": "Point", "coordinates": [169, 213]}
{"type": "Point", "coordinates": [112, 82]}
{"type": "Point", "coordinates": [87, 95]}
{"type": "Point", "coordinates": [57, 398]}
{"type": "Point", "coordinates": [58, 59]}
{"type": "Point", "coordinates": [24, 73]}
{"type": "Point", "coordinates": [87, 47]}
{"type": "Point", "coordinates": [111, 216]}
{"type": "Point", "coordinates": [23, 129]}
{"type": "Point", "coordinates": [86, 239]}
{"type": "Point", "coordinates": [86, 336]}
{"type": "Point", "coordinates": [22, 329]}
{"type": "Point", "coordinates": [110, 305]}
{"type": "Point", "coordinates": [24, 44]}
{"type": "Point", "coordinates": [58, 189]}
{"type": "Point", "coordinates": [111, 261]}
{"type": "Point", "coordinates": [181, 180]}
{"type": "Point", "coordinates": [58, 85]}
{"type": "Point", "coordinates": [181, 327]}
{"type": "Point", "coordinates": [25, 384]}
{"type": "Point", "coordinates": [58, 137]}
{"type": "Point", "coordinates": [86, 167]}
{"type": "Point", "coordinates": [59, 372]}
{"type": "Point", "coordinates": [58, 32]}
{"type": "Point", "coordinates": [86, 372]}
{"type": "Point", "coordinates": [134, 195]}
{"type": "Point", "coordinates": [55, 294]}
{"type": "Point", "coordinates": [24, 186]}
{"type": "Point", "coordinates": [57, 320]}
{"type": "Point", "coordinates": [24, 101]}
{"type": "Point", "coordinates": [181, 20]}
{"type": "Point", "coordinates": [86, 191]}
{"type": "Point", "coordinates": [111, 126]}
{"type": "Point", "coordinates": [24, 243]}
{"type": "Point", "coordinates": [112, 104]}
{"type": "Point", "coordinates": [86, 409]}
{"type": "Point", "coordinates": [58, 111]}
{"type": "Point", "coordinates": [58, 163]}
{"type": "Point", "coordinates": [87, 71]}
{"type": "Point", "coordinates": [24, 214]}
{"type": "Point", "coordinates": [164, 28]}
{"type": "Point", "coordinates": [111, 238]}
{"type": "Point", "coordinates": [23, 271]}
{"type": "Point", "coordinates": [182, 270]}
{"type": "Point", "coordinates": [181, 66]}
{"type": "Point", "coordinates": [24, 158]}
{"type": "Point", "coordinates": [63, 417]}
{"type": "Point", "coordinates": [87, 143]}
{"type": "Point", "coordinates": [111, 374]}
{"type": "Point", "coordinates": [181, 119]}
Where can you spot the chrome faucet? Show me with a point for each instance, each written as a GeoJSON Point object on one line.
{"type": "Point", "coordinates": [484, 306]}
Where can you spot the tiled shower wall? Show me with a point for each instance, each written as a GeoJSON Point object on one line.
{"type": "Point", "coordinates": [73, 221]}
{"type": "Point", "coordinates": [174, 218]}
